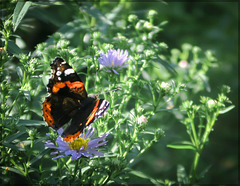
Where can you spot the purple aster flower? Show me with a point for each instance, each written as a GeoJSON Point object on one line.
{"type": "Point", "coordinates": [80, 146]}
{"type": "Point", "coordinates": [114, 60]}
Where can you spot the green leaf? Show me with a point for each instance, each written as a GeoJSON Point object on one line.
{"type": "Point", "coordinates": [182, 145]}
{"type": "Point", "coordinates": [19, 12]}
{"type": "Point", "coordinates": [14, 49]}
{"type": "Point", "coordinates": [181, 174]}
{"type": "Point", "coordinates": [13, 170]}
{"type": "Point", "coordinates": [227, 109]}
{"type": "Point", "coordinates": [27, 95]}
{"type": "Point", "coordinates": [31, 123]}
{"type": "Point", "coordinates": [205, 82]}
{"type": "Point", "coordinates": [19, 72]}
{"type": "Point", "coordinates": [14, 147]}
{"type": "Point", "coordinates": [39, 156]}
{"type": "Point", "coordinates": [70, 29]}
{"type": "Point", "coordinates": [40, 140]}
{"type": "Point", "coordinates": [144, 176]}
{"type": "Point", "coordinates": [14, 136]}
{"type": "Point", "coordinates": [94, 12]}
{"type": "Point", "coordinates": [139, 174]}
{"type": "Point", "coordinates": [148, 132]}
{"type": "Point", "coordinates": [167, 65]}
{"type": "Point", "coordinates": [204, 172]}
{"type": "Point", "coordinates": [115, 12]}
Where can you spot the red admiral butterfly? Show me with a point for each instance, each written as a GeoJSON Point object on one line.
{"type": "Point", "coordinates": [68, 100]}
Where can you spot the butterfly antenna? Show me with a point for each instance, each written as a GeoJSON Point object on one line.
{"type": "Point", "coordinates": [108, 91]}
{"type": "Point", "coordinates": [95, 78]}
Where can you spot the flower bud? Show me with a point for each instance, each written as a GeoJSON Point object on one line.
{"type": "Point", "coordinates": [62, 44]}
{"type": "Point", "coordinates": [8, 25]}
{"type": "Point", "coordinates": [147, 25]}
{"type": "Point", "coordinates": [165, 88]}
{"type": "Point", "coordinates": [183, 64]}
{"type": "Point", "coordinates": [211, 103]}
{"type": "Point", "coordinates": [57, 36]}
{"type": "Point", "coordinates": [132, 18]}
{"type": "Point", "coordinates": [96, 35]}
{"type": "Point", "coordinates": [140, 25]}
{"type": "Point", "coordinates": [142, 119]}
{"type": "Point", "coordinates": [152, 13]}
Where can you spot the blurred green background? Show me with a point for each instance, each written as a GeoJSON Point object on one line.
{"type": "Point", "coordinates": [209, 25]}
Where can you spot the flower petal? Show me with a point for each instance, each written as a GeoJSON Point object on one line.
{"type": "Point", "coordinates": [95, 152]}
{"type": "Point", "coordinates": [115, 71]}
{"type": "Point", "coordinates": [60, 131]}
{"type": "Point", "coordinates": [53, 153]}
{"type": "Point", "coordinates": [86, 154]}
{"type": "Point", "coordinates": [60, 156]}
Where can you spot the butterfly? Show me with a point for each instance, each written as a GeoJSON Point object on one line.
{"type": "Point", "coordinates": [68, 102]}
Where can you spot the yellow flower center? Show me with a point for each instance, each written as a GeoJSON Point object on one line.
{"type": "Point", "coordinates": [78, 143]}
{"type": "Point", "coordinates": [113, 62]}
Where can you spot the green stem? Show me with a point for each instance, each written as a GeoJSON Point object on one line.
{"type": "Point", "coordinates": [87, 76]}
{"type": "Point", "coordinates": [6, 35]}
{"type": "Point", "coordinates": [196, 142]}
{"type": "Point", "coordinates": [141, 152]}
{"type": "Point", "coordinates": [194, 167]}
{"type": "Point", "coordinates": [135, 134]}
{"type": "Point", "coordinates": [208, 129]}
{"type": "Point", "coordinates": [18, 167]}
{"type": "Point", "coordinates": [14, 102]}
{"type": "Point", "coordinates": [106, 180]}
{"type": "Point", "coordinates": [59, 169]}
{"type": "Point", "coordinates": [75, 170]}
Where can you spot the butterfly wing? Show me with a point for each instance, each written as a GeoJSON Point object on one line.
{"type": "Point", "coordinates": [66, 90]}
{"type": "Point", "coordinates": [91, 110]}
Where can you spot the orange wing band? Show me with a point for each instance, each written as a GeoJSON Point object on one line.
{"type": "Point", "coordinates": [76, 85]}
{"type": "Point", "coordinates": [90, 118]}
{"type": "Point", "coordinates": [57, 87]}
{"type": "Point", "coordinates": [47, 113]}
{"type": "Point", "coordinates": [70, 138]}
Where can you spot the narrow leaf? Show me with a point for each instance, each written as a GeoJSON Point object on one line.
{"type": "Point", "coordinates": [14, 147]}
{"type": "Point", "coordinates": [144, 176]}
{"type": "Point", "coordinates": [19, 72]}
{"type": "Point", "coordinates": [181, 174]}
{"type": "Point", "coordinates": [14, 136]}
{"type": "Point", "coordinates": [31, 123]}
{"type": "Point", "coordinates": [182, 145]}
{"type": "Point", "coordinates": [167, 65]}
{"type": "Point", "coordinates": [27, 95]}
{"type": "Point", "coordinates": [14, 49]}
{"type": "Point", "coordinates": [204, 172]}
{"type": "Point", "coordinates": [19, 12]}
{"type": "Point", "coordinates": [94, 12]}
{"type": "Point", "coordinates": [139, 174]}
{"type": "Point", "coordinates": [13, 170]}
{"type": "Point", "coordinates": [39, 156]}
{"type": "Point", "coordinates": [226, 109]}
{"type": "Point", "coordinates": [205, 82]}
{"type": "Point", "coordinates": [148, 132]}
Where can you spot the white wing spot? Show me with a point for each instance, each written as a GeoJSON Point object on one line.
{"type": "Point", "coordinates": [58, 73]}
{"type": "Point", "coordinates": [68, 71]}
